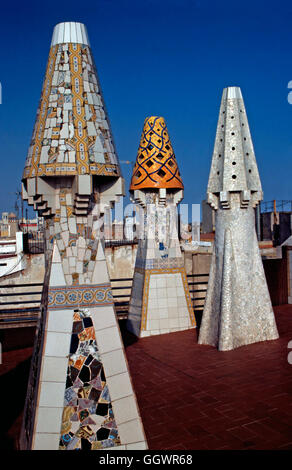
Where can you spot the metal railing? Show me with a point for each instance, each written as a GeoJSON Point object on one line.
{"type": "Point", "coordinates": [121, 290]}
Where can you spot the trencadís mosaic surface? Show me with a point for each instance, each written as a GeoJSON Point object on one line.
{"type": "Point", "coordinates": [71, 134]}
{"type": "Point", "coordinates": [88, 421]}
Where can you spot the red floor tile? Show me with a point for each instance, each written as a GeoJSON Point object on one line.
{"type": "Point", "coordinates": [238, 399]}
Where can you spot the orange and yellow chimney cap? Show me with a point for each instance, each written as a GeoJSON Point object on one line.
{"type": "Point", "coordinates": [156, 165]}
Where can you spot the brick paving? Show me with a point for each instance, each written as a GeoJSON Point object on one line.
{"type": "Point", "coordinates": [195, 397]}
{"type": "Point", "coordinates": [191, 396]}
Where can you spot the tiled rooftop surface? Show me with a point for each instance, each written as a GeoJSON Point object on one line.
{"type": "Point", "coordinates": [191, 396]}
{"type": "Point", "coordinates": [194, 397]}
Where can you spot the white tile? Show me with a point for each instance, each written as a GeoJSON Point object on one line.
{"type": "Point", "coordinates": [49, 420]}
{"type": "Point", "coordinates": [60, 321]}
{"type": "Point", "coordinates": [131, 432]}
{"type": "Point", "coordinates": [161, 282]}
{"type": "Point", "coordinates": [152, 282]}
{"type": "Point", "coordinates": [172, 302]}
{"type": "Point", "coordinates": [114, 362]}
{"type": "Point", "coordinates": [119, 386]}
{"type": "Point", "coordinates": [144, 333]}
{"type": "Point", "coordinates": [170, 281]}
{"type": "Point", "coordinates": [125, 409]}
{"type": "Point", "coordinates": [54, 369]}
{"type": "Point", "coordinates": [116, 448]}
{"type": "Point", "coordinates": [57, 344]}
{"type": "Point", "coordinates": [100, 273]}
{"type": "Point", "coordinates": [180, 291]}
{"type": "Point", "coordinates": [153, 292]}
{"type": "Point", "coordinates": [173, 323]}
{"type": "Point", "coordinates": [164, 323]}
{"type": "Point", "coordinates": [162, 302]}
{"type": "Point", "coordinates": [184, 322]}
{"type": "Point", "coordinates": [72, 225]}
{"type": "Point", "coordinates": [137, 446]}
{"type": "Point", "coordinates": [73, 35]}
{"type": "Point", "coordinates": [161, 293]}
{"type": "Point", "coordinates": [46, 441]}
{"type": "Point", "coordinates": [100, 256]}
{"type": "Point", "coordinates": [153, 324]}
{"type": "Point", "coordinates": [163, 313]}
{"type": "Point", "coordinates": [52, 394]}
{"type": "Point", "coordinates": [170, 292]}
{"type": "Point", "coordinates": [56, 275]}
{"type": "Point", "coordinates": [108, 339]}
{"type": "Point", "coordinates": [163, 331]}
{"type": "Point", "coordinates": [56, 254]}
{"type": "Point", "coordinates": [152, 302]}
{"type": "Point", "coordinates": [103, 317]}
{"type": "Point", "coordinates": [182, 301]}
{"type": "Point", "coordinates": [155, 332]}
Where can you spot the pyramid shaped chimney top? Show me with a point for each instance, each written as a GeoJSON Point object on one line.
{"type": "Point", "coordinates": [70, 32]}
{"type": "Point", "coordinates": [234, 167]}
{"type": "Point", "coordinates": [156, 165]}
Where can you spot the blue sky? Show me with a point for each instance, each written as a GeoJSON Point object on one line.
{"type": "Point", "coordinates": [170, 58]}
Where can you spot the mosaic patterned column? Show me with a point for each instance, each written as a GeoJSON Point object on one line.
{"type": "Point", "coordinates": [238, 308]}
{"type": "Point", "coordinates": [80, 394]}
{"type": "Point", "coordinates": [160, 299]}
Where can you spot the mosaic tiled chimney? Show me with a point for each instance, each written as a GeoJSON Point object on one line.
{"type": "Point", "coordinates": [238, 308]}
{"type": "Point", "coordinates": [160, 300]}
{"type": "Point", "coordinates": [80, 394]}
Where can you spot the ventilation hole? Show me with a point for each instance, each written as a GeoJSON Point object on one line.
{"type": "Point", "coordinates": [223, 112]}
{"type": "Point", "coordinates": [149, 163]}
{"type": "Point", "coordinates": [242, 124]}
{"type": "Point", "coordinates": [219, 155]}
{"type": "Point", "coordinates": [232, 133]}
{"type": "Point", "coordinates": [233, 163]}
{"type": "Point", "coordinates": [218, 172]}
{"type": "Point", "coordinates": [221, 140]}
{"type": "Point", "coordinates": [247, 153]}
{"type": "Point", "coordinates": [151, 133]}
{"type": "Point", "coordinates": [244, 138]}
{"type": "Point", "coordinates": [234, 177]}
{"type": "Point", "coordinates": [161, 173]}
{"type": "Point", "coordinates": [140, 157]}
{"type": "Point", "coordinates": [222, 125]}
{"type": "Point", "coordinates": [150, 147]}
{"type": "Point", "coordinates": [233, 148]}
{"type": "Point", "coordinates": [232, 117]}
{"type": "Point", "coordinates": [249, 171]}
{"type": "Point", "coordinates": [171, 163]}
{"type": "Point", "coordinates": [138, 174]}
{"type": "Point", "coordinates": [167, 147]}
{"type": "Point", "coordinates": [159, 155]}
{"type": "Point", "coordinates": [159, 140]}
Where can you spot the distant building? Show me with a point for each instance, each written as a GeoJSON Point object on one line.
{"type": "Point", "coordinates": [11, 255]}
{"type": "Point", "coordinates": [208, 218]}
{"type": "Point", "coordinates": [8, 225]}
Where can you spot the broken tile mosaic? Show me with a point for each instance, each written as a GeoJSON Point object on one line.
{"type": "Point", "coordinates": [88, 421]}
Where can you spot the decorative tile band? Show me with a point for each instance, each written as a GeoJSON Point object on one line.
{"type": "Point", "coordinates": [80, 296]}
{"type": "Point", "coordinates": [148, 273]}
{"type": "Point", "coordinates": [155, 263]}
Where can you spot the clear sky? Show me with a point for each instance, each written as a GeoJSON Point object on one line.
{"type": "Point", "coordinates": [170, 58]}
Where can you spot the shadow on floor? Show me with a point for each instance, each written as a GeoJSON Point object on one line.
{"type": "Point", "coordinates": [13, 386]}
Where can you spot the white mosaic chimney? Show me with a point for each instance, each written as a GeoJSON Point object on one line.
{"type": "Point", "coordinates": [238, 308]}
